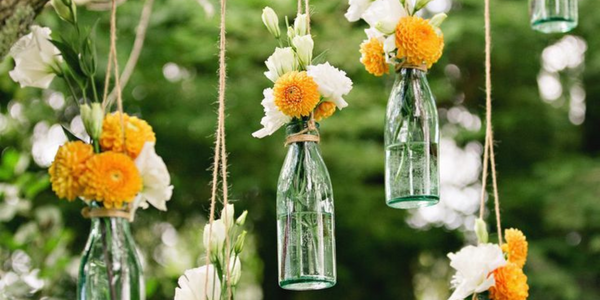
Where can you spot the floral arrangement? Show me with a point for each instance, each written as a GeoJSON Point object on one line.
{"type": "Point", "coordinates": [117, 166]}
{"type": "Point", "coordinates": [397, 36]}
{"type": "Point", "coordinates": [490, 271]}
{"type": "Point", "coordinates": [192, 285]}
{"type": "Point", "coordinates": [302, 90]}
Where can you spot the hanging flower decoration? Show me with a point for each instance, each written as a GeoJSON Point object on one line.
{"type": "Point", "coordinates": [489, 270]}
{"type": "Point", "coordinates": [396, 35]}
{"type": "Point", "coordinates": [301, 90]}
{"type": "Point", "coordinates": [117, 168]}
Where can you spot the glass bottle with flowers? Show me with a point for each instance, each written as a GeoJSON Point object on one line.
{"type": "Point", "coordinates": [411, 45]}
{"type": "Point", "coordinates": [303, 94]}
{"type": "Point", "coordinates": [114, 169]}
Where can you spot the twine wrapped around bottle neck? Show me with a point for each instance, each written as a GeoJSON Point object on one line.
{"type": "Point", "coordinates": [303, 136]}
{"type": "Point", "coordinates": [101, 212]}
{"type": "Point", "coordinates": [406, 65]}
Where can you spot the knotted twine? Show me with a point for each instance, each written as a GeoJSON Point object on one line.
{"type": "Point", "coordinates": [488, 151]}
{"type": "Point", "coordinates": [220, 157]}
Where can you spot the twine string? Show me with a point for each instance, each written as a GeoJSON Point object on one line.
{"type": "Point", "coordinates": [101, 212]}
{"type": "Point", "coordinates": [304, 134]}
{"type": "Point", "coordinates": [406, 65]}
{"type": "Point", "coordinates": [220, 156]}
{"type": "Point", "coordinates": [489, 133]}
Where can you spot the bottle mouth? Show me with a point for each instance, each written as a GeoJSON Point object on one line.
{"type": "Point", "coordinates": [297, 126]}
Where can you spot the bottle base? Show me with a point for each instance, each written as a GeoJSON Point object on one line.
{"type": "Point", "coordinates": [411, 202]}
{"type": "Point", "coordinates": [305, 283]}
{"type": "Point", "coordinates": [554, 25]}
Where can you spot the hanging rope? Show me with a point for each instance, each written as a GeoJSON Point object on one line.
{"type": "Point", "coordinates": [488, 152]}
{"type": "Point", "coordinates": [220, 156]}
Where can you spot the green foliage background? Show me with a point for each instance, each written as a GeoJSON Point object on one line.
{"type": "Point", "coordinates": [549, 168]}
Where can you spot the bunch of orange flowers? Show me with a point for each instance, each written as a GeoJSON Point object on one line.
{"type": "Point", "coordinates": [108, 176]}
{"type": "Point", "coordinates": [397, 36]}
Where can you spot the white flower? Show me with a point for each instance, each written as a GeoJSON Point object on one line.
{"type": "Point", "coordinates": [333, 83]}
{"type": "Point", "coordinates": [384, 15]}
{"type": "Point", "coordinates": [92, 117]}
{"type": "Point", "coordinates": [304, 48]}
{"type": "Point", "coordinates": [193, 282]}
{"type": "Point", "coordinates": [283, 60]}
{"type": "Point", "coordinates": [36, 59]}
{"type": "Point", "coordinates": [216, 238]}
{"type": "Point", "coordinates": [235, 270]}
{"type": "Point", "coordinates": [228, 218]}
{"type": "Point", "coordinates": [273, 118]}
{"type": "Point", "coordinates": [157, 189]}
{"type": "Point", "coordinates": [269, 17]}
{"type": "Point", "coordinates": [474, 267]}
{"type": "Point", "coordinates": [300, 25]}
{"type": "Point", "coordinates": [356, 9]}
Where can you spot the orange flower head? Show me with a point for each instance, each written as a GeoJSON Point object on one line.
{"type": "Point", "coordinates": [511, 283]}
{"type": "Point", "coordinates": [418, 42]}
{"type": "Point", "coordinates": [68, 166]}
{"type": "Point", "coordinates": [373, 57]}
{"type": "Point", "coordinates": [296, 94]}
{"type": "Point", "coordinates": [137, 133]}
{"type": "Point", "coordinates": [111, 178]}
{"type": "Point", "coordinates": [325, 110]}
{"type": "Point", "coordinates": [516, 246]}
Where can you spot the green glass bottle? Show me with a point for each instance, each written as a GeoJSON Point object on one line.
{"type": "Point", "coordinates": [110, 268]}
{"type": "Point", "coordinates": [411, 143]}
{"type": "Point", "coordinates": [553, 16]}
{"type": "Point", "coordinates": [305, 217]}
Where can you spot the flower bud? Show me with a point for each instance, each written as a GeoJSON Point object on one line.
{"type": "Point", "coordinates": [301, 25]}
{"type": "Point", "coordinates": [420, 4]}
{"type": "Point", "coordinates": [239, 242]}
{"type": "Point", "coordinates": [437, 20]}
{"type": "Point", "coordinates": [92, 118]}
{"type": "Point", "coordinates": [304, 48]}
{"type": "Point", "coordinates": [66, 10]}
{"type": "Point", "coordinates": [235, 270]}
{"type": "Point", "coordinates": [227, 215]}
{"type": "Point", "coordinates": [481, 231]}
{"type": "Point", "coordinates": [242, 218]}
{"type": "Point", "coordinates": [290, 32]}
{"type": "Point", "coordinates": [269, 17]}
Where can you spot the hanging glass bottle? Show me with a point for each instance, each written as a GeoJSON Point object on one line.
{"type": "Point", "coordinates": [110, 268]}
{"type": "Point", "coordinates": [411, 143]}
{"type": "Point", "coordinates": [305, 214]}
{"type": "Point", "coordinates": [553, 16]}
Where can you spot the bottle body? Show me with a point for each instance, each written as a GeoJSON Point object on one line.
{"type": "Point", "coordinates": [305, 218]}
{"type": "Point", "coordinates": [411, 143]}
{"type": "Point", "coordinates": [110, 268]}
{"type": "Point", "coordinates": [553, 16]}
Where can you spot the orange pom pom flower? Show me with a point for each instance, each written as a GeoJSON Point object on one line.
{"type": "Point", "coordinates": [68, 166]}
{"type": "Point", "coordinates": [296, 94]}
{"type": "Point", "coordinates": [418, 42]}
{"type": "Point", "coordinates": [516, 247]}
{"type": "Point", "coordinates": [137, 133]}
{"type": "Point", "coordinates": [511, 283]}
{"type": "Point", "coordinates": [325, 110]}
{"type": "Point", "coordinates": [373, 57]}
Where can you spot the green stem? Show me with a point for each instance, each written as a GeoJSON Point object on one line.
{"type": "Point", "coordinates": [94, 89]}
{"type": "Point", "coordinates": [65, 75]}
{"type": "Point", "coordinates": [108, 259]}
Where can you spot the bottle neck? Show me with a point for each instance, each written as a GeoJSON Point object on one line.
{"type": "Point", "coordinates": [111, 225]}
{"type": "Point", "coordinates": [302, 127]}
{"type": "Point", "coordinates": [410, 73]}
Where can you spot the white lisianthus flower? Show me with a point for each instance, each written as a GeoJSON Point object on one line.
{"type": "Point", "coordinates": [36, 59]}
{"type": "Point", "coordinates": [157, 189]}
{"type": "Point", "coordinates": [271, 21]}
{"type": "Point", "coordinates": [333, 83]}
{"type": "Point", "coordinates": [474, 267]}
{"type": "Point", "coordinates": [216, 238]}
{"type": "Point", "coordinates": [304, 45]}
{"type": "Point", "coordinates": [283, 60]}
{"type": "Point", "coordinates": [301, 25]}
{"type": "Point", "coordinates": [228, 218]}
{"type": "Point", "coordinates": [273, 118]}
{"type": "Point", "coordinates": [356, 9]}
{"type": "Point", "coordinates": [193, 282]}
{"type": "Point", "coordinates": [384, 15]}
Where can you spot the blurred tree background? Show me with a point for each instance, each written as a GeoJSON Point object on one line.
{"type": "Point", "coordinates": [545, 117]}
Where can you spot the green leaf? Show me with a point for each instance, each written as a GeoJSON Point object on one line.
{"type": "Point", "coordinates": [70, 136]}
{"type": "Point", "coordinates": [320, 58]}
{"type": "Point", "coordinates": [70, 56]}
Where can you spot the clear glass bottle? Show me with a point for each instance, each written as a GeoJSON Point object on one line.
{"type": "Point", "coordinates": [305, 217]}
{"type": "Point", "coordinates": [411, 143]}
{"type": "Point", "coordinates": [110, 268]}
{"type": "Point", "coordinates": [553, 16]}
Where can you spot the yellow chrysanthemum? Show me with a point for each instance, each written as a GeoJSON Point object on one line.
{"type": "Point", "coordinates": [373, 57]}
{"type": "Point", "coordinates": [324, 110]}
{"type": "Point", "coordinates": [68, 165]}
{"type": "Point", "coordinates": [516, 247]}
{"type": "Point", "coordinates": [418, 42]}
{"type": "Point", "coordinates": [111, 178]}
{"type": "Point", "coordinates": [296, 94]}
{"type": "Point", "coordinates": [137, 132]}
{"type": "Point", "coordinates": [511, 283]}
